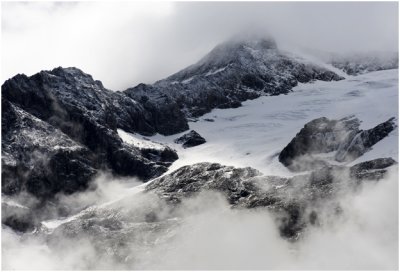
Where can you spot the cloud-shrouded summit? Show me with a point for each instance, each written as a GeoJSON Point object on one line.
{"type": "Point", "coordinates": [124, 44]}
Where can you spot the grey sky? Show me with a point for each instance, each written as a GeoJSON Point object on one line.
{"type": "Point", "coordinates": [123, 44]}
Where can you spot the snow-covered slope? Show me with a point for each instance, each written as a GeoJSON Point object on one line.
{"type": "Point", "coordinates": [254, 134]}
{"type": "Point", "coordinates": [138, 141]}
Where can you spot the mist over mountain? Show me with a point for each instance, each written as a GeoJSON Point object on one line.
{"type": "Point", "coordinates": [148, 41]}
{"type": "Point", "coordinates": [258, 155]}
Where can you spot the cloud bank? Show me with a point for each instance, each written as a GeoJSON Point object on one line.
{"type": "Point", "coordinates": [126, 43]}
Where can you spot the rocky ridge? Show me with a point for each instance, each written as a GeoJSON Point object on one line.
{"type": "Point", "coordinates": [80, 109]}
{"type": "Point", "coordinates": [322, 135]}
{"type": "Point", "coordinates": [232, 72]}
{"type": "Point", "coordinates": [155, 215]}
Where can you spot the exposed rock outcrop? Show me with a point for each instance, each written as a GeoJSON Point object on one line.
{"type": "Point", "coordinates": [191, 179]}
{"type": "Point", "coordinates": [190, 139]}
{"type": "Point", "coordinates": [356, 146]}
{"type": "Point", "coordinates": [323, 135]}
{"type": "Point", "coordinates": [40, 159]}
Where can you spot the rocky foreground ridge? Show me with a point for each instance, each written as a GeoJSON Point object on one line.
{"type": "Point", "coordinates": [125, 230]}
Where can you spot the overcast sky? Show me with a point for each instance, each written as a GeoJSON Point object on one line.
{"type": "Point", "coordinates": [123, 44]}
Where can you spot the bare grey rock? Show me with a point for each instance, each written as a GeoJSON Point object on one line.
{"type": "Point", "coordinates": [190, 139]}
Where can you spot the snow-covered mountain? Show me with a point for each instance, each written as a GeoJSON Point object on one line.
{"type": "Point", "coordinates": [79, 107]}
{"type": "Point", "coordinates": [59, 131]}
{"type": "Point", "coordinates": [232, 180]}
{"type": "Point", "coordinates": [231, 73]}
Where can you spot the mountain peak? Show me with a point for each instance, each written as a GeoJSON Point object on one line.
{"type": "Point", "coordinates": [252, 40]}
{"type": "Point", "coordinates": [239, 45]}
{"type": "Point", "coordinates": [239, 50]}
{"type": "Point", "coordinates": [67, 70]}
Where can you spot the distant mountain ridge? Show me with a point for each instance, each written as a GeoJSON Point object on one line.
{"type": "Point", "coordinates": [355, 64]}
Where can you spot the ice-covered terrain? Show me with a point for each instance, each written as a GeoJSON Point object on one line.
{"type": "Point", "coordinates": [254, 134]}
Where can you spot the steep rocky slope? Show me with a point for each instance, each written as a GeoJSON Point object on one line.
{"type": "Point", "coordinates": [232, 72]}
{"type": "Point", "coordinates": [39, 158]}
{"type": "Point", "coordinates": [40, 162]}
{"type": "Point", "coordinates": [59, 131]}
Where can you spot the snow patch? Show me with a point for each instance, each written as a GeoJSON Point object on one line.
{"type": "Point", "coordinates": [216, 71]}
{"type": "Point", "coordinates": [188, 80]}
{"type": "Point", "coordinates": [55, 223]}
{"type": "Point", "coordinates": [12, 203]}
{"type": "Point", "coordinates": [138, 141]}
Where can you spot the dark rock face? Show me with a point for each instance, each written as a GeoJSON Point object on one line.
{"type": "Point", "coordinates": [190, 139]}
{"type": "Point", "coordinates": [165, 113]}
{"type": "Point", "coordinates": [59, 130]}
{"type": "Point", "coordinates": [323, 136]}
{"type": "Point", "coordinates": [40, 159]}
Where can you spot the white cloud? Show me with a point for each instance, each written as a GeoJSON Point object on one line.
{"type": "Point", "coordinates": [125, 43]}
